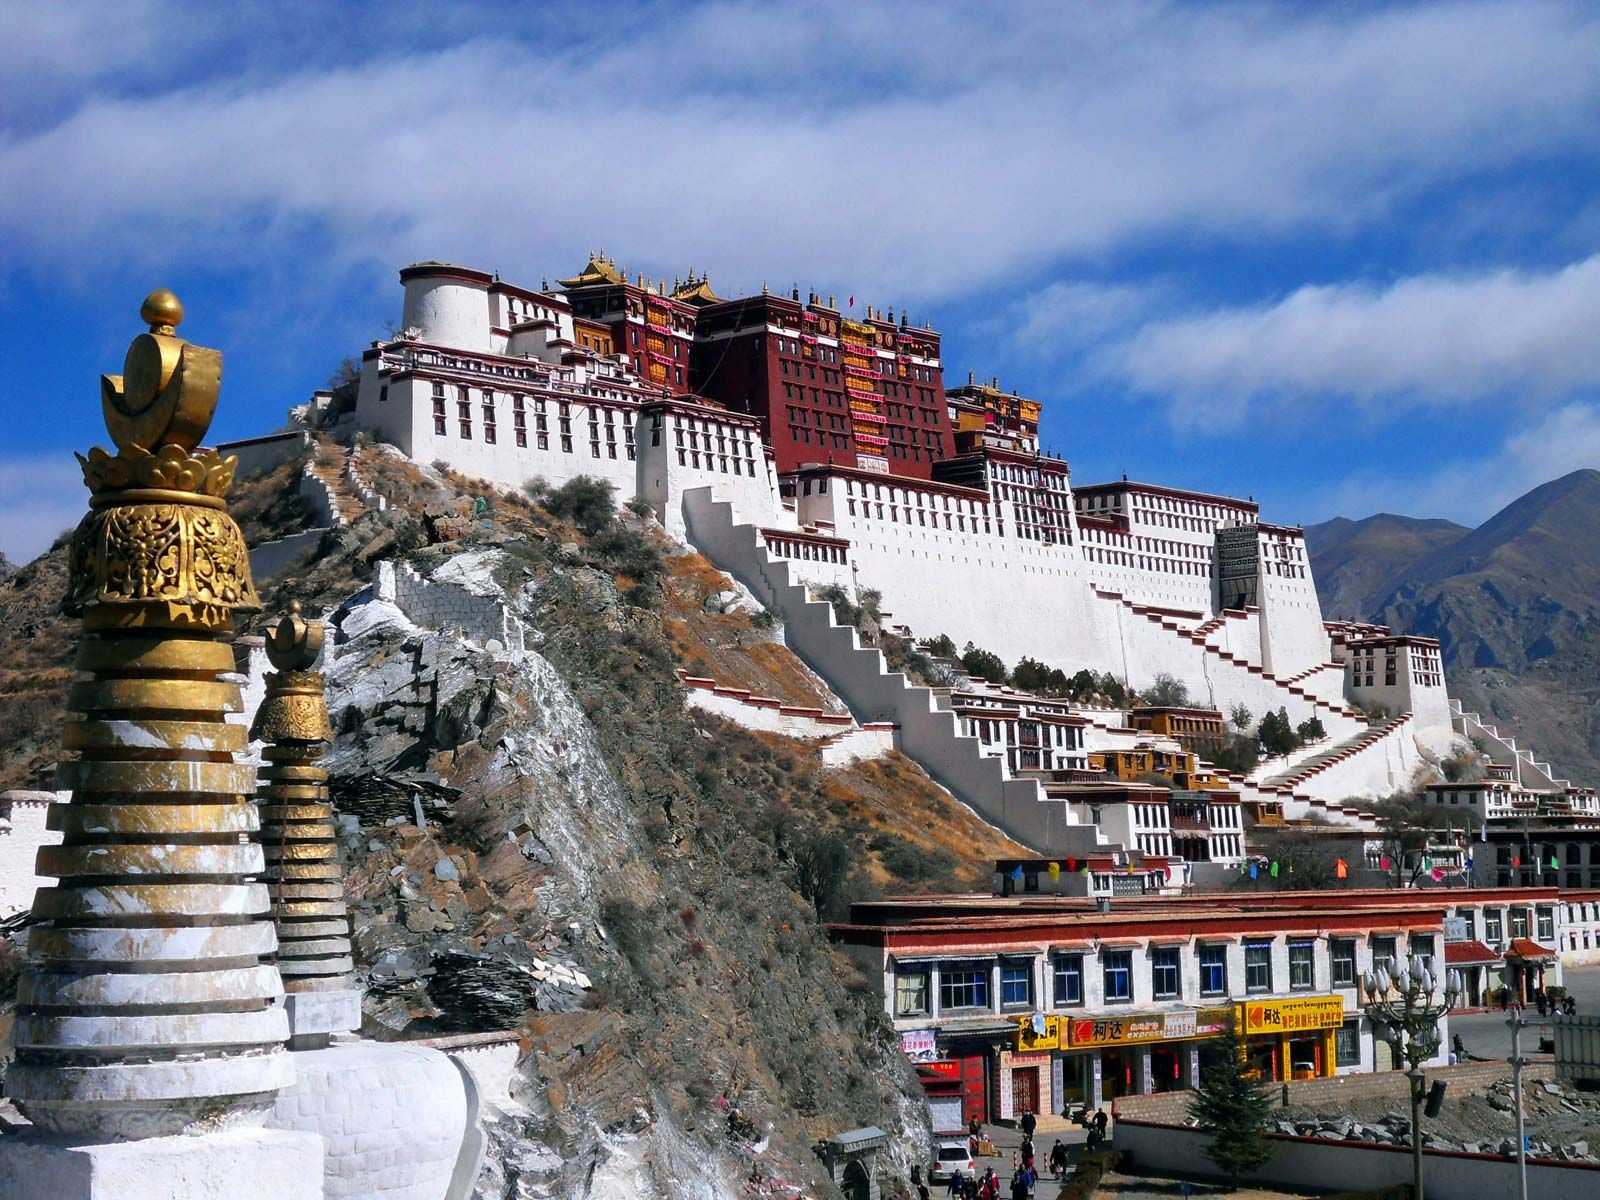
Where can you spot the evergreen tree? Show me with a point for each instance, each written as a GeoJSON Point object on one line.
{"type": "Point", "coordinates": [1232, 1109]}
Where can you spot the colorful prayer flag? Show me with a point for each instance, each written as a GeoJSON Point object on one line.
{"type": "Point", "coordinates": [1017, 874]}
{"type": "Point", "coordinates": [1341, 869]}
{"type": "Point", "coordinates": [1437, 873]}
{"type": "Point", "coordinates": [1252, 870]}
{"type": "Point", "coordinates": [1054, 870]}
{"type": "Point", "coordinates": [1274, 870]}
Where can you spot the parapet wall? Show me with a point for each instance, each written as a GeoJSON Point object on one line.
{"type": "Point", "coordinates": [436, 604]}
{"type": "Point", "coordinates": [22, 832]}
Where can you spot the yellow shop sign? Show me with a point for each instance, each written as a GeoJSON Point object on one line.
{"type": "Point", "coordinates": [1039, 1032]}
{"type": "Point", "coordinates": [1293, 1016]}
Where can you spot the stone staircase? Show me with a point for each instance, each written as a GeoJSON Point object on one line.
{"type": "Point", "coordinates": [875, 695]}
{"type": "Point", "coordinates": [1292, 690]}
{"type": "Point", "coordinates": [1530, 772]}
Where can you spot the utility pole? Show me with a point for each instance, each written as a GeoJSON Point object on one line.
{"type": "Point", "coordinates": [1517, 1062]}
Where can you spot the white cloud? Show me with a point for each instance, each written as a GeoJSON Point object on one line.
{"type": "Point", "coordinates": [1427, 340]}
{"type": "Point", "coordinates": [40, 497]}
{"type": "Point", "coordinates": [1472, 489]}
{"type": "Point", "coordinates": [753, 139]}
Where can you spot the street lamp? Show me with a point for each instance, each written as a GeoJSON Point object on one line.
{"type": "Point", "coordinates": [1403, 1011]}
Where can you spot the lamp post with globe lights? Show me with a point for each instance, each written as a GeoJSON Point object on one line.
{"type": "Point", "coordinates": [1405, 1011]}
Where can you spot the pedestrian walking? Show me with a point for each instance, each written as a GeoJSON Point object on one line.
{"type": "Point", "coordinates": [1100, 1121]}
{"type": "Point", "coordinates": [1029, 1122]}
{"type": "Point", "coordinates": [1540, 1002]}
{"type": "Point", "coordinates": [1019, 1187]}
{"type": "Point", "coordinates": [956, 1186]}
{"type": "Point", "coordinates": [1058, 1159]}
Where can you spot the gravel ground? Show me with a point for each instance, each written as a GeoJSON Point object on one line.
{"type": "Point", "coordinates": [1559, 1117]}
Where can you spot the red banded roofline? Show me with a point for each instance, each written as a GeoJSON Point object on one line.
{"type": "Point", "coordinates": [1393, 639]}
{"type": "Point", "coordinates": [699, 407]}
{"type": "Point", "coordinates": [1156, 489]}
{"type": "Point", "coordinates": [907, 482]}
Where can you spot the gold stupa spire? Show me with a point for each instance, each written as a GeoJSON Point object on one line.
{"type": "Point", "coordinates": [148, 1004]}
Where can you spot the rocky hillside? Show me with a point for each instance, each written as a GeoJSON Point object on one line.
{"type": "Point", "coordinates": [638, 887]}
{"type": "Point", "coordinates": [1515, 604]}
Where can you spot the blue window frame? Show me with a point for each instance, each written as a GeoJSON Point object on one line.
{"type": "Point", "coordinates": [964, 985]}
{"type": "Point", "coordinates": [1213, 970]}
{"type": "Point", "coordinates": [1069, 980]}
{"type": "Point", "coordinates": [1016, 984]}
{"type": "Point", "coordinates": [1164, 972]}
{"type": "Point", "coordinates": [1117, 966]}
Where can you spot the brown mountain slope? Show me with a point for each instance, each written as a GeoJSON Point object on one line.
{"type": "Point", "coordinates": [1515, 604]}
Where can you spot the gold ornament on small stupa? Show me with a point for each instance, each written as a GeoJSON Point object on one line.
{"type": "Point", "coordinates": [149, 1004]}
{"type": "Point", "coordinates": [297, 828]}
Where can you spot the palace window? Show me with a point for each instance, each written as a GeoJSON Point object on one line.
{"type": "Point", "coordinates": [1164, 972]}
{"type": "Point", "coordinates": [1382, 954]}
{"type": "Point", "coordinates": [1519, 922]}
{"type": "Point", "coordinates": [1016, 983]}
{"type": "Point", "coordinates": [911, 991]}
{"type": "Point", "coordinates": [1258, 966]}
{"type": "Point", "coordinates": [963, 986]}
{"type": "Point", "coordinates": [1069, 980]}
{"type": "Point", "coordinates": [1302, 971]}
{"type": "Point", "coordinates": [1493, 926]}
{"type": "Point", "coordinates": [1344, 962]}
{"type": "Point", "coordinates": [1213, 970]}
{"type": "Point", "coordinates": [1117, 968]}
{"type": "Point", "coordinates": [1547, 927]}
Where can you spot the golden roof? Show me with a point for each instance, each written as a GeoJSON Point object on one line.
{"type": "Point", "coordinates": [599, 269]}
{"type": "Point", "coordinates": [696, 291]}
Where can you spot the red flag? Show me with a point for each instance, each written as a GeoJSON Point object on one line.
{"type": "Point", "coordinates": [1516, 860]}
{"type": "Point", "coordinates": [852, 301]}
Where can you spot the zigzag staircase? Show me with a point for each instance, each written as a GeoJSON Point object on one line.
{"type": "Point", "coordinates": [859, 676]}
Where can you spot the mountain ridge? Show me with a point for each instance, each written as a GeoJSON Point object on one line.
{"type": "Point", "coordinates": [1515, 604]}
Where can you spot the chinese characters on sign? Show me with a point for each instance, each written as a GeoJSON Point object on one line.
{"type": "Point", "coordinates": [1294, 1016]}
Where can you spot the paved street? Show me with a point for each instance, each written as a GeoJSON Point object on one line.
{"type": "Point", "coordinates": [1486, 1035]}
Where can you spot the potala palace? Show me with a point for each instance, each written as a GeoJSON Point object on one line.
{"type": "Point", "coordinates": [796, 446]}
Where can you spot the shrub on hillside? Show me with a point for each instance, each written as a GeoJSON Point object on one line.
{"type": "Point", "coordinates": [587, 502]}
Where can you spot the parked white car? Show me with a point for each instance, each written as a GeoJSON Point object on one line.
{"type": "Point", "coordinates": [950, 1157]}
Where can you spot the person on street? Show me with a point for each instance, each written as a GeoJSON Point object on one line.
{"type": "Point", "coordinates": [1540, 1002]}
{"type": "Point", "coordinates": [1019, 1187]}
{"type": "Point", "coordinates": [956, 1186]}
{"type": "Point", "coordinates": [1058, 1159]}
{"type": "Point", "coordinates": [991, 1186]}
{"type": "Point", "coordinates": [1100, 1121]}
{"type": "Point", "coordinates": [1505, 998]}
{"type": "Point", "coordinates": [1029, 1122]}
{"type": "Point", "coordinates": [1092, 1142]}
{"type": "Point", "coordinates": [1026, 1149]}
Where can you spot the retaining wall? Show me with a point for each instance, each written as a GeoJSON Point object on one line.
{"type": "Point", "coordinates": [765, 713]}
{"type": "Point", "coordinates": [260, 455]}
{"type": "Point", "coordinates": [435, 604]}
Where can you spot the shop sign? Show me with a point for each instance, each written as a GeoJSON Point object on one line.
{"type": "Point", "coordinates": [1455, 929]}
{"type": "Point", "coordinates": [1038, 1032]}
{"type": "Point", "coordinates": [1293, 1016]}
{"type": "Point", "coordinates": [919, 1045]}
{"type": "Point", "coordinates": [1185, 1025]}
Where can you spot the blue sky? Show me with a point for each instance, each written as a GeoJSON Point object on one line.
{"type": "Point", "coordinates": [1343, 258]}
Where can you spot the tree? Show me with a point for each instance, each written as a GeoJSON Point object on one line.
{"type": "Point", "coordinates": [942, 647]}
{"type": "Point", "coordinates": [1232, 1108]}
{"type": "Point", "coordinates": [1109, 686]}
{"type": "Point", "coordinates": [1310, 730]}
{"type": "Point", "coordinates": [1276, 735]}
{"type": "Point", "coordinates": [985, 664]}
{"type": "Point", "coordinates": [1239, 717]}
{"type": "Point", "coordinates": [1240, 755]}
{"type": "Point", "coordinates": [1405, 826]}
{"type": "Point", "coordinates": [1305, 858]}
{"type": "Point", "coordinates": [1035, 677]}
{"type": "Point", "coordinates": [1165, 691]}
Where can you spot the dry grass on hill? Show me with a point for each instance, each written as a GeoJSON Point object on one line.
{"type": "Point", "coordinates": [730, 647]}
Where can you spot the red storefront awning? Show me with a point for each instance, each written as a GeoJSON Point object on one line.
{"type": "Point", "coordinates": [1469, 954]}
{"type": "Point", "coordinates": [1530, 951]}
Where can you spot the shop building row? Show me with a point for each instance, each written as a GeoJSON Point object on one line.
{"type": "Point", "coordinates": [1045, 1001]}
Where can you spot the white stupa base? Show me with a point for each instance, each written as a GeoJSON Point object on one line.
{"type": "Point", "coordinates": [242, 1164]}
{"type": "Point", "coordinates": [394, 1119]}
